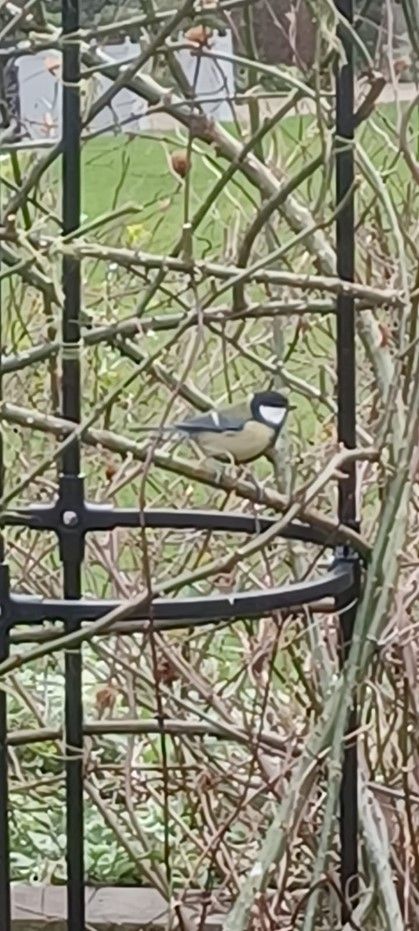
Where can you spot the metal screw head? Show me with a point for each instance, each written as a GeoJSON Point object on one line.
{"type": "Point", "coordinates": [70, 519]}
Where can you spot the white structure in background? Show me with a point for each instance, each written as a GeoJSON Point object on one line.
{"type": "Point", "coordinates": [211, 78]}
{"type": "Point", "coordinates": [41, 96]}
{"type": "Point", "coordinates": [41, 90]}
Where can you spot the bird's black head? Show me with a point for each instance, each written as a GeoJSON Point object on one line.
{"type": "Point", "coordinates": [270, 407]}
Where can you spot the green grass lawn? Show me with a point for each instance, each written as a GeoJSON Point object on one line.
{"type": "Point", "coordinates": [117, 171]}
{"type": "Point", "coordinates": [134, 175]}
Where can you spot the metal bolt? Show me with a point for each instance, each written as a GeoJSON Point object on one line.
{"type": "Point", "coordinates": [70, 519]}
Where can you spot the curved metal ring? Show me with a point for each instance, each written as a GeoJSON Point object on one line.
{"type": "Point", "coordinates": [96, 517]}
{"type": "Point", "coordinates": [170, 613]}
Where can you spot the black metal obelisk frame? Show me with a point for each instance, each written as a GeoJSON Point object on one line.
{"type": "Point", "coordinates": [346, 380]}
{"type": "Point", "coordinates": [71, 496]}
{"type": "Point", "coordinates": [4, 652]}
{"type": "Point", "coordinates": [71, 517]}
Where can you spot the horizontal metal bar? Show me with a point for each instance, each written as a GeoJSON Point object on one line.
{"type": "Point", "coordinates": [169, 613]}
{"type": "Point", "coordinates": [94, 517]}
{"type": "Point", "coordinates": [37, 633]}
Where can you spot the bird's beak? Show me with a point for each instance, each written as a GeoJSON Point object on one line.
{"type": "Point", "coordinates": [292, 407]}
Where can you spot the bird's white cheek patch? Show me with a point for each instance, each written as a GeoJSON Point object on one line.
{"type": "Point", "coordinates": [274, 415]}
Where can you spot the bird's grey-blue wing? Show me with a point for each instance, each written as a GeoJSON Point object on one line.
{"type": "Point", "coordinates": [213, 422]}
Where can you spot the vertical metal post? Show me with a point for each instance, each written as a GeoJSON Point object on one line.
{"type": "Point", "coordinates": [71, 408]}
{"type": "Point", "coordinates": [4, 812]}
{"type": "Point", "coordinates": [4, 650]}
{"type": "Point", "coordinates": [346, 372]}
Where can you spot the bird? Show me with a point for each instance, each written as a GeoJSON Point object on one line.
{"type": "Point", "coordinates": [239, 433]}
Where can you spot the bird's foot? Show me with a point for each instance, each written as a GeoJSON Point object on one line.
{"type": "Point", "coordinates": [247, 475]}
{"type": "Point", "coordinates": [218, 468]}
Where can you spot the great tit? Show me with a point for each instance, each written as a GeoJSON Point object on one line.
{"type": "Point", "coordinates": [239, 433]}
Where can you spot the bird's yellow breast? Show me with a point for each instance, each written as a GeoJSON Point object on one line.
{"type": "Point", "coordinates": [241, 445]}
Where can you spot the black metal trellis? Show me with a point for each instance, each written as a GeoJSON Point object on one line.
{"type": "Point", "coordinates": [346, 371]}
{"type": "Point", "coordinates": [71, 517]}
